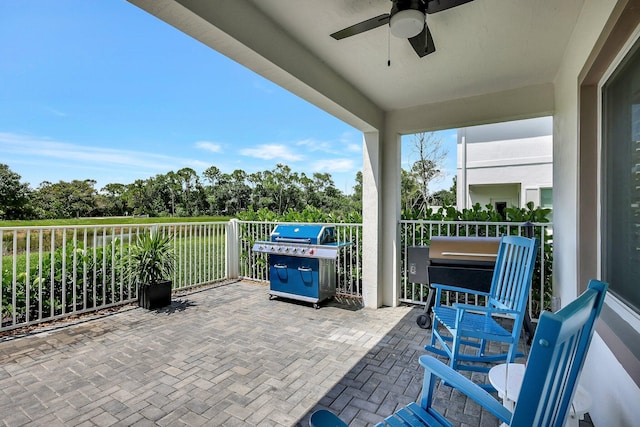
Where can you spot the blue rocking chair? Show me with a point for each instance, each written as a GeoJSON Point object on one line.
{"type": "Point", "coordinates": [475, 326]}
{"type": "Point", "coordinates": [551, 377]}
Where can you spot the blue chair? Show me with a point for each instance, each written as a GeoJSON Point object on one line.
{"type": "Point", "coordinates": [475, 326]}
{"type": "Point", "coordinates": [557, 356]}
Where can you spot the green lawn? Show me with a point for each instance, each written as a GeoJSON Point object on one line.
{"type": "Point", "coordinates": [110, 221]}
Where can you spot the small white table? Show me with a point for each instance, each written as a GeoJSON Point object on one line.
{"type": "Point", "coordinates": [508, 389]}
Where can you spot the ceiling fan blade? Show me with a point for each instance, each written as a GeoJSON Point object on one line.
{"type": "Point", "coordinates": [434, 6]}
{"type": "Point", "coordinates": [423, 42]}
{"type": "Point", "coordinates": [361, 27]}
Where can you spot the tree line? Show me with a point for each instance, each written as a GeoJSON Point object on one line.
{"type": "Point", "coordinates": [185, 193]}
{"type": "Point", "coordinates": [180, 193]}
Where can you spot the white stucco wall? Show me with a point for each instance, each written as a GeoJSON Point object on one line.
{"type": "Point", "coordinates": [614, 394]}
{"type": "Point", "coordinates": [518, 153]}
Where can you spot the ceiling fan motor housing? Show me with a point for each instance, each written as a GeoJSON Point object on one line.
{"type": "Point", "coordinates": [407, 18]}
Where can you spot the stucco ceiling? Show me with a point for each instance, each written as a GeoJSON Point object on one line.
{"type": "Point", "coordinates": [483, 47]}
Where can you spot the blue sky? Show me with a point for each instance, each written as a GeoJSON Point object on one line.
{"type": "Point", "coordinates": [102, 90]}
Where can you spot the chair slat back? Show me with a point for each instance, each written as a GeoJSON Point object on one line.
{"type": "Point", "coordinates": [557, 356]}
{"type": "Point", "coordinates": [513, 272]}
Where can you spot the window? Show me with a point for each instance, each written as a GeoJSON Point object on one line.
{"type": "Point", "coordinates": [546, 198]}
{"type": "Point", "coordinates": [501, 207]}
{"type": "Point", "coordinates": [621, 179]}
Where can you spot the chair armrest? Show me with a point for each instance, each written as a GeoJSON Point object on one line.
{"type": "Point", "coordinates": [466, 386]}
{"type": "Point", "coordinates": [442, 287]}
{"type": "Point", "coordinates": [483, 308]}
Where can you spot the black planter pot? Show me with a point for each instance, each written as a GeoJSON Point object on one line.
{"type": "Point", "coordinates": [154, 296]}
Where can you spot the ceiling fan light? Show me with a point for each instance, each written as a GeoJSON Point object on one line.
{"type": "Point", "coordinates": [407, 23]}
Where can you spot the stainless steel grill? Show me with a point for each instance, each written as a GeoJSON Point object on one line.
{"type": "Point", "coordinates": [302, 262]}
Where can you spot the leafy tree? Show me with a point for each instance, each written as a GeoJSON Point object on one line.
{"type": "Point", "coordinates": [212, 175]}
{"type": "Point", "coordinates": [66, 199]}
{"type": "Point", "coordinates": [185, 193]}
{"type": "Point", "coordinates": [446, 197]}
{"type": "Point", "coordinates": [430, 152]}
{"type": "Point", "coordinates": [356, 197]}
{"type": "Point", "coordinates": [139, 196]}
{"type": "Point", "coordinates": [409, 192]}
{"type": "Point", "coordinates": [189, 180]}
{"type": "Point", "coordinates": [112, 201]}
{"type": "Point", "coordinates": [14, 195]}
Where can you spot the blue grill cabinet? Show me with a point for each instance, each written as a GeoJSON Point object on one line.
{"type": "Point", "coordinates": [302, 262]}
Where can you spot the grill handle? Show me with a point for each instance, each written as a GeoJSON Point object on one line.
{"type": "Point", "coordinates": [305, 269]}
{"type": "Point", "coordinates": [468, 254]}
{"type": "Point", "coordinates": [290, 240]}
{"type": "Point", "coordinates": [282, 266]}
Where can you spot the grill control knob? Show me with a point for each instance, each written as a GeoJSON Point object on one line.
{"type": "Point", "coordinates": [311, 251]}
{"type": "Point", "coordinates": [303, 250]}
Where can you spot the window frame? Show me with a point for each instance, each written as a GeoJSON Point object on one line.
{"type": "Point", "coordinates": [629, 314]}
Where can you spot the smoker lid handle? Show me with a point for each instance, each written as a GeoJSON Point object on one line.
{"type": "Point", "coordinates": [468, 254]}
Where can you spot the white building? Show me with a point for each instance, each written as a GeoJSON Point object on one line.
{"type": "Point", "coordinates": [506, 164]}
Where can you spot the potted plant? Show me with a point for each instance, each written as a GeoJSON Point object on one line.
{"type": "Point", "coordinates": [150, 264]}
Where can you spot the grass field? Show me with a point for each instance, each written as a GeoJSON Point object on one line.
{"type": "Point", "coordinates": [110, 221]}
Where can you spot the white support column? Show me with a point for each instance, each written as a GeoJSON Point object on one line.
{"type": "Point", "coordinates": [390, 244]}
{"type": "Point", "coordinates": [380, 218]}
{"type": "Point", "coordinates": [371, 220]}
{"type": "Point", "coordinates": [462, 196]}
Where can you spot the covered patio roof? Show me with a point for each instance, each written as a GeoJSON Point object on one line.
{"type": "Point", "coordinates": [486, 51]}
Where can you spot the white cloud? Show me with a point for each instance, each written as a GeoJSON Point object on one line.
{"type": "Point", "coordinates": [209, 146]}
{"type": "Point", "coordinates": [334, 165]}
{"type": "Point", "coordinates": [56, 112]}
{"type": "Point", "coordinates": [333, 147]}
{"type": "Point", "coordinates": [313, 145]}
{"type": "Point", "coordinates": [39, 147]}
{"type": "Point", "coordinates": [197, 164]}
{"type": "Point", "coordinates": [263, 86]}
{"type": "Point", "coordinates": [271, 152]}
{"type": "Point", "coordinates": [354, 148]}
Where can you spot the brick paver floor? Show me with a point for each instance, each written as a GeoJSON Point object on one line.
{"type": "Point", "coordinates": [224, 356]}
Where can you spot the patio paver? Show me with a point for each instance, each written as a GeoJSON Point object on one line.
{"type": "Point", "coordinates": [224, 356]}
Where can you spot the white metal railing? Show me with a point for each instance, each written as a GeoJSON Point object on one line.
{"type": "Point", "coordinates": [50, 272]}
{"type": "Point", "coordinates": [254, 266]}
{"type": "Point", "coordinates": [53, 272]}
{"type": "Point", "coordinates": [419, 233]}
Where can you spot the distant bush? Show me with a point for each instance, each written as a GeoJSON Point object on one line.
{"type": "Point", "coordinates": [308, 214]}
{"type": "Point", "coordinates": [478, 213]}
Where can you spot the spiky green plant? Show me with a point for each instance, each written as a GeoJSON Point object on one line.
{"type": "Point", "coordinates": [151, 259]}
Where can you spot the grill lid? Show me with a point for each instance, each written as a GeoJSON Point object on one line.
{"type": "Point", "coordinates": [303, 233]}
{"type": "Point", "coordinates": [464, 249]}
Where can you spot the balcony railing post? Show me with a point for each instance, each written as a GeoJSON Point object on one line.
{"type": "Point", "coordinates": [232, 249]}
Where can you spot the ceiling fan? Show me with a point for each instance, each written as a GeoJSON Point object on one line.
{"type": "Point", "coordinates": [407, 19]}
